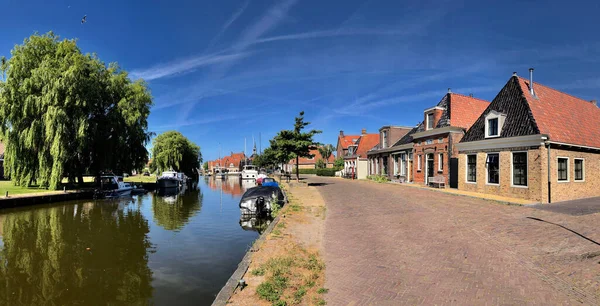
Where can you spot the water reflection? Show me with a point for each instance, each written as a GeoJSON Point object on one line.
{"type": "Point", "coordinates": [172, 209]}
{"type": "Point", "coordinates": [85, 253]}
{"type": "Point", "coordinates": [252, 223]}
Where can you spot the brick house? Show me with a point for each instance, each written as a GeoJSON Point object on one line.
{"type": "Point", "coordinates": [379, 157]}
{"type": "Point", "coordinates": [344, 141]}
{"type": "Point", "coordinates": [443, 127]}
{"type": "Point", "coordinates": [401, 154]}
{"type": "Point", "coordinates": [533, 142]}
{"type": "Point", "coordinates": [310, 162]}
{"type": "Point", "coordinates": [355, 160]}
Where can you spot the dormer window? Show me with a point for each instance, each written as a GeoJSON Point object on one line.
{"type": "Point", "coordinates": [494, 121]}
{"type": "Point", "coordinates": [384, 139]}
{"type": "Point", "coordinates": [430, 121]}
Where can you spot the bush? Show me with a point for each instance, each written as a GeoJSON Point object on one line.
{"type": "Point", "coordinates": [326, 172]}
{"type": "Point", "coordinates": [378, 178]}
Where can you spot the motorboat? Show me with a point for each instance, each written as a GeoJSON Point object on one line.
{"type": "Point", "coordinates": [169, 179]}
{"type": "Point", "coordinates": [114, 186]}
{"type": "Point", "coordinates": [269, 181]}
{"type": "Point", "coordinates": [259, 200]}
{"type": "Point", "coordinates": [249, 172]}
{"type": "Point", "coordinates": [183, 178]}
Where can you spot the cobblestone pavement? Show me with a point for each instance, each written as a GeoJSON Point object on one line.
{"type": "Point", "coordinates": [392, 245]}
{"type": "Point", "coordinates": [575, 207]}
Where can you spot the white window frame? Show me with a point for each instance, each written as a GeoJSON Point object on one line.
{"type": "Point", "coordinates": [440, 162]}
{"type": "Point", "coordinates": [467, 169]}
{"type": "Point", "coordinates": [487, 181]}
{"type": "Point", "coordinates": [403, 164]}
{"type": "Point", "coordinates": [419, 162]}
{"type": "Point", "coordinates": [568, 174]}
{"type": "Point", "coordinates": [582, 169]}
{"type": "Point", "coordinates": [384, 139]}
{"type": "Point", "coordinates": [512, 168]}
{"type": "Point", "coordinates": [494, 115]}
{"type": "Point", "coordinates": [427, 128]}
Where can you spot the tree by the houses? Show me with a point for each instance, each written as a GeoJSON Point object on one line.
{"type": "Point", "coordinates": [326, 151]}
{"type": "Point", "coordinates": [295, 143]}
{"type": "Point", "coordinates": [339, 162]}
{"type": "Point", "coordinates": [205, 167]}
{"type": "Point", "coordinates": [320, 164]}
{"type": "Point", "coordinates": [172, 150]}
{"type": "Point", "coordinates": [65, 113]}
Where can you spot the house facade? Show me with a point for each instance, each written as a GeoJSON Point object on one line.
{"type": "Point", "coordinates": [434, 142]}
{"type": "Point", "coordinates": [401, 154]}
{"type": "Point", "coordinates": [356, 159]}
{"type": "Point", "coordinates": [310, 162]}
{"type": "Point", "coordinates": [345, 141]}
{"type": "Point", "coordinates": [533, 142]}
{"type": "Point", "coordinates": [380, 159]}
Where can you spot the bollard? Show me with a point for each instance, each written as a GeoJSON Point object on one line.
{"type": "Point", "coordinates": [64, 188]}
{"type": "Point", "coordinates": [7, 193]}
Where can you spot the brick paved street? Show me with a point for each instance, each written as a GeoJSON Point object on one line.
{"type": "Point", "coordinates": [392, 245]}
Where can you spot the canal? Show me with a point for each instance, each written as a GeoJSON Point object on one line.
{"type": "Point", "coordinates": [150, 249]}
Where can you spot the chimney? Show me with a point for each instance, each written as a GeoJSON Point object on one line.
{"type": "Point", "coordinates": [449, 90]}
{"type": "Point", "coordinates": [594, 102]}
{"type": "Point", "coordinates": [364, 131]}
{"type": "Point", "coordinates": [531, 82]}
{"type": "Point", "coordinates": [471, 95]}
{"type": "Point", "coordinates": [514, 73]}
{"type": "Point", "coordinates": [341, 133]}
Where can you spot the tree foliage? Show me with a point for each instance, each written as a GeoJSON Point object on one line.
{"type": "Point", "coordinates": [339, 162]}
{"type": "Point", "coordinates": [320, 164]}
{"type": "Point", "coordinates": [65, 113]}
{"type": "Point", "coordinates": [172, 150]}
{"type": "Point", "coordinates": [294, 143]}
{"type": "Point", "coordinates": [326, 152]}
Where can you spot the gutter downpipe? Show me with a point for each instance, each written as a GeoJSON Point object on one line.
{"type": "Point", "coordinates": [549, 180]}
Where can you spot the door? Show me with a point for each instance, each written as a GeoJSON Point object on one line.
{"type": "Point", "coordinates": [453, 172]}
{"type": "Point", "coordinates": [429, 168]}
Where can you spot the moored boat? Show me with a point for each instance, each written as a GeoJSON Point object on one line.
{"type": "Point", "coordinates": [259, 200]}
{"type": "Point", "coordinates": [114, 186]}
{"type": "Point", "coordinates": [168, 179]}
{"type": "Point", "coordinates": [249, 172]}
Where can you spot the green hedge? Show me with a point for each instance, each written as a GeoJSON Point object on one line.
{"type": "Point", "coordinates": [327, 172]}
{"type": "Point", "coordinates": [306, 171]}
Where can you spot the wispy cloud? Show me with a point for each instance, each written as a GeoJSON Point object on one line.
{"type": "Point", "coordinates": [227, 24]}
{"type": "Point", "coordinates": [186, 65]}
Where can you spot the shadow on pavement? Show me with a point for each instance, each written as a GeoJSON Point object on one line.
{"type": "Point", "coordinates": [319, 184]}
{"type": "Point", "coordinates": [574, 208]}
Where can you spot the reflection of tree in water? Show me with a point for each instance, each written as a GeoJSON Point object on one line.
{"type": "Point", "coordinates": [173, 212]}
{"type": "Point", "coordinates": [45, 261]}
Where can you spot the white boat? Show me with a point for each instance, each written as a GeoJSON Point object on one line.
{"type": "Point", "coordinates": [250, 172]}
{"type": "Point", "coordinates": [182, 177]}
{"type": "Point", "coordinates": [114, 186]}
{"type": "Point", "coordinates": [169, 179]}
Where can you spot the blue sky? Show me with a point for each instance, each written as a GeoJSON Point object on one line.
{"type": "Point", "coordinates": [225, 71]}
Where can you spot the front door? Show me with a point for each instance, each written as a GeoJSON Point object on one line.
{"type": "Point", "coordinates": [429, 168]}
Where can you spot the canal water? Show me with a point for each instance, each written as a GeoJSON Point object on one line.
{"type": "Point", "coordinates": [173, 249]}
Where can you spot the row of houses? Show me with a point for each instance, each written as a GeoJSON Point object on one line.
{"type": "Point", "coordinates": [531, 142]}
{"type": "Point", "coordinates": [230, 163]}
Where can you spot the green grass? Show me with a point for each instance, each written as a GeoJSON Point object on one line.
{"type": "Point", "coordinates": [12, 189]}
{"type": "Point", "coordinates": [258, 272]}
{"type": "Point", "coordinates": [322, 290]}
{"type": "Point", "coordinates": [140, 179]}
{"type": "Point", "coordinates": [86, 179]}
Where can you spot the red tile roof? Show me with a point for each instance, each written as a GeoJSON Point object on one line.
{"type": "Point", "coordinates": [564, 118]}
{"type": "Point", "coordinates": [346, 140]}
{"type": "Point", "coordinates": [366, 143]}
{"type": "Point", "coordinates": [308, 161]}
{"type": "Point", "coordinates": [465, 110]}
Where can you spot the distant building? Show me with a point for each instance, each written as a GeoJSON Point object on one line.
{"type": "Point", "coordinates": [355, 158]}
{"type": "Point", "coordinates": [309, 162]}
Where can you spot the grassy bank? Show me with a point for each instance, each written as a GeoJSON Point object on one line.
{"type": "Point", "coordinates": [140, 179]}
{"type": "Point", "coordinates": [286, 269]}
{"type": "Point", "coordinates": [8, 186]}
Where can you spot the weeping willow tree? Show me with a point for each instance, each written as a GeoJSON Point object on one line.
{"type": "Point", "coordinates": [65, 113]}
{"type": "Point", "coordinates": [172, 150]}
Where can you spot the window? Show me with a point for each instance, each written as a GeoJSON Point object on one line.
{"type": "Point", "coordinates": [472, 168]}
{"type": "Point", "coordinates": [403, 164]}
{"type": "Point", "coordinates": [520, 168]}
{"type": "Point", "coordinates": [563, 169]}
{"type": "Point", "coordinates": [579, 173]}
{"type": "Point", "coordinates": [440, 140]}
{"type": "Point", "coordinates": [440, 162]}
{"type": "Point", "coordinates": [429, 121]}
{"type": "Point", "coordinates": [493, 168]}
{"type": "Point", "coordinates": [429, 141]}
{"type": "Point", "coordinates": [419, 142]}
{"type": "Point", "coordinates": [384, 139]}
{"type": "Point", "coordinates": [493, 127]}
{"type": "Point", "coordinates": [419, 163]}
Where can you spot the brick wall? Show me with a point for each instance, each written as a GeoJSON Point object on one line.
{"type": "Point", "coordinates": [419, 176]}
{"type": "Point", "coordinates": [589, 187]}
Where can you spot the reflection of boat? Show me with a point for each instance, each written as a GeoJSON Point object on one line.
{"type": "Point", "coordinates": [247, 184]}
{"type": "Point", "coordinates": [259, 200]}
{"type": "Point", "coordinates": [113, 186]}
{"type": "Point", "coordinates": [252, 223]}
{"type": "Point", "coordinates": [249, 172]}
{"type": "Point", "coordinates": [168, 179]}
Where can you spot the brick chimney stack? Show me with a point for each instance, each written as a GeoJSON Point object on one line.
{"type": "Point", "coordinates": [364, 131]}
{"type": "Point", "coordinates": [341, 133]}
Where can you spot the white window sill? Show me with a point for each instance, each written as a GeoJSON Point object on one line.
{"type": "Point", "coordinates": [567, 181]}
{"type": "Point", "coordinates": [519, 186]}
{"type": "Point", "coordinates": [493, 184]}
{"type": "Point", "coordinates": [474, 183]}
{"type": "Point", "coordinates": [579, 181]}
{"type": "Point", "coordinates": [494, 136]}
